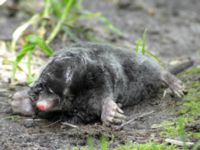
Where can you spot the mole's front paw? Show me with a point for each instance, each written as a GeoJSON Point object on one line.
{"type": "Point", "coordinates": [111, 113]}
{"type": "Point", "coordinates": [21, 104]}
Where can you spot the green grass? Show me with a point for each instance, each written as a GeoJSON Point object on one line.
{"type": "Point", "coordinates": [104, 145]}
{"type": "Point", "coordinates": [141, 44]}
{"type": "Point", "coordinates": [147, 146]}
{"type": "Point", "coordinates": [64, 14]}
{"type": "Point", "coordinates": [141, 48]}
{"type": "Point", "coordinates": [187, 113]}
{"type": "Point", "coordinates": [190, 71]}
{"type": "Point", "coordinates": [32, 41]}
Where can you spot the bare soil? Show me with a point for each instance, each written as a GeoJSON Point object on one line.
{"type": "Point", "coordinates": [173, 32]}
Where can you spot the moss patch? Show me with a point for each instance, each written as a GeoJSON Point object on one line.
{"type": "Point", "coordinates": [147, 146]}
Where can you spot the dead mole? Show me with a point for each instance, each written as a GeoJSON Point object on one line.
{"type": "Point", "coordinates": [94, 81]}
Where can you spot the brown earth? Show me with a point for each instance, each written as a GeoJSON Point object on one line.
{"type": "Point", "coordinates": [173, 32]}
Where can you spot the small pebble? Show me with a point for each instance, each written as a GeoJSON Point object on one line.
{"type": "Point", "coordinates": [29, 123]}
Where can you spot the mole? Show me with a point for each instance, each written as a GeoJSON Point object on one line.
{"type": "Point", "coordinates": [95, 82]}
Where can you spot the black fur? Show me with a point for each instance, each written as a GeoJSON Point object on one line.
{"type": "Point", "coordinates": [85, 74]}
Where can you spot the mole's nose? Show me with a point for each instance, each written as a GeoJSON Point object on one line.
{"type": "Point", "coordinates": [42, 105]}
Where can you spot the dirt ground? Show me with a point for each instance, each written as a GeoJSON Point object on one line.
{"type": "Point", "coordinates": [173, 32]}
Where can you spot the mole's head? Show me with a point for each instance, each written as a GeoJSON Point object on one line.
{"type": "Point", "coordinates": [48, 102]}
{"type": "Point", "coordinates": [49, 90]}
{"type": "Point", "coordinates": [44, 98]}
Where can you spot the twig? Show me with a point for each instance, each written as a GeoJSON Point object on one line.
{"type": "Point", "coordinates": [70, 125]}
{"type": "Point", "coordinates": [3, 103]}
{"type": "Point", "coordinates": [133, 119]}
{"type": "Point", "coordinates": [179, 143]}
{"type": "Point", "coordinates": [3, 90]}
{"type": "Point", "coordinates": [53, 123]}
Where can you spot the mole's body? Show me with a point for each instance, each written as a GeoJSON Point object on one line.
{"type": "Point", "coordinates": [90, 80]}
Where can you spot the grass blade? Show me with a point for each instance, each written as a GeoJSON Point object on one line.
{"type": "Point", "coordinates": [144, 40]}
{"type": "Point", "coordinates": [60, 22]}
{"type": "Point", "coordinates": [20, 55]}
{"type": "Point", "coordinates": [36, 40]}
{"type": "Point", "coordinates": [104, 143]}
{"type": "Point", "coordinates": [44, 47]}
{"type": "Point", "coordinates": [138, 46]}
{"type": "Point", "coordinates": [24, 51]}
{"type": "Point", "coordinates": [18, 32]}
{"type": "Point", "coordinates": [110, 25]}
{"type": "Point", "coordinates": [156, 58]}
{"type": "Point", "coordinates": [196, 146]}
{"type": "Point", "coordinates": [90, 143]}
{"type": "Point", "coordinates": [47, 8]}
{"type": "Point", "coordinates": [29, 80]}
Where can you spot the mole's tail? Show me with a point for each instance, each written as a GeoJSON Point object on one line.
{"type": "Point", "coordinates": [180, 67]}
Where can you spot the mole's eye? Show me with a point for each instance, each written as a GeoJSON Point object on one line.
{"type": "Point", "coordinates": [37, 88]}
{"type": "Point", "coordinates": [33, 96]}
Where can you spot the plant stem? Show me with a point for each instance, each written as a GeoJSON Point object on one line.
{"type": "Point", "coordinates": [61, 21]}
{"type": "Point", "coordinates": [19, 31]}
{"type": "Point", "coordinates": [29, 66]}
{"type": "Point", "coordinates": [47, 8]}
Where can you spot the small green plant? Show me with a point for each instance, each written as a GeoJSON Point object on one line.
{"type": "Point", "coordinates": [146, 146]}
{"type": "Point", "coordinates": [181, 131]}
{"type": "Point", "coordinates": [32, 41]}
{"type": "Point", "coordinates": [188, 112]}
{"type": "Point", "coordinates": [104, 143]}
{"type": "Point", "coordinates": [141, 48]}
{"type": "Point", "coordinates": [196, 146]}
{"type": "Point", "coordinates": [90, 143]}
{"type": "Point", "coordinates": [57, 16]}
{"type": "Point", "coordinates": [141, 44]}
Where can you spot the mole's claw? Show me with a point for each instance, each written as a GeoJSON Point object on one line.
{"type": "Point", "coordinates": [109, 119]}
{"type": "Point", "coordinates": [111, 113]}
{"type": "Point", "coordinates": [175, 85]}
{"type": "Point", "coordinates": [120, 110]}
{"type": "Point", "coordinates": [177, 93]}
{"type": "Point", "coordinates": [177, 89]}
{"type": "Point", "coordinates": [120, 116]}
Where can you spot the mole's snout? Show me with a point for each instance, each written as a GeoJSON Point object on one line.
{"type": "Point", "coordinates": [43, 105]}
{"type": "Point", "coordinates": [47, 104]}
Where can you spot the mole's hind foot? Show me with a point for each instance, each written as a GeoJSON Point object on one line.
{"type": "Point", "coordinates": [175, 85]}
{"type": "Point", "coordinates": [111, 113]}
